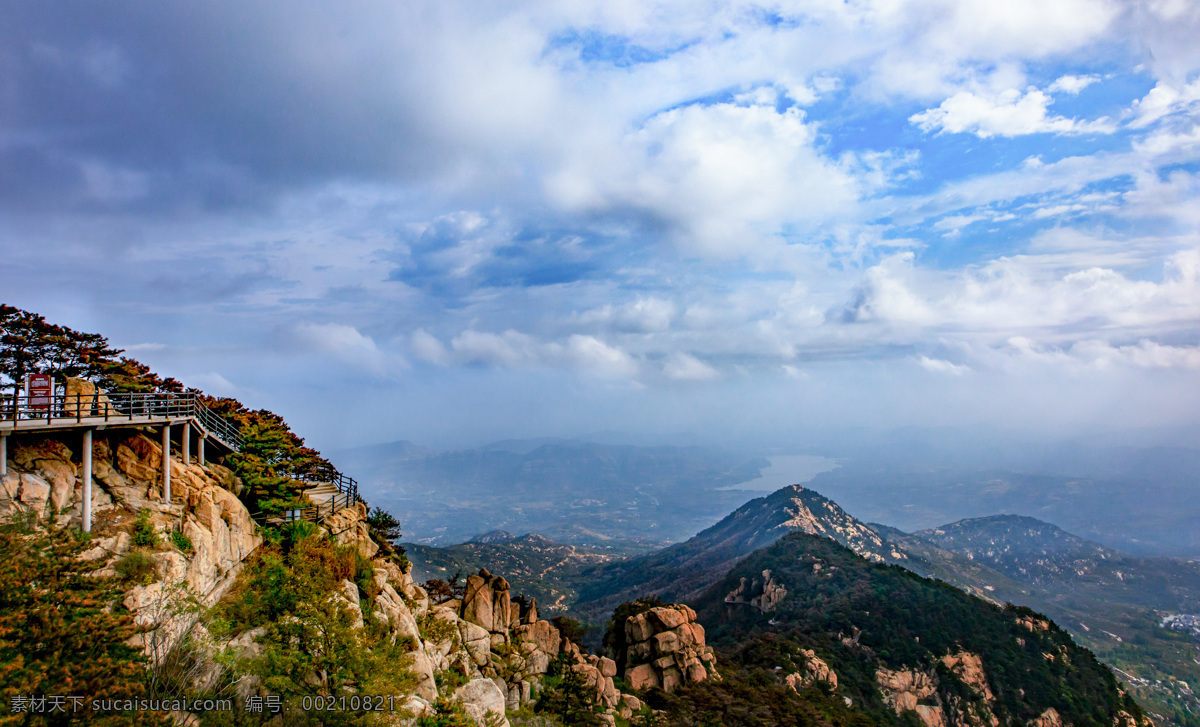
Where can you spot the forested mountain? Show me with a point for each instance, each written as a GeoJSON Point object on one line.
{"type": "Point", "coordinates": [685, 570]}
{"type": "Point", "coordinates": [889, 646]}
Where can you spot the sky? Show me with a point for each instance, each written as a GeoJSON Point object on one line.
{"type": "Point", "coordinates": [457, 221]}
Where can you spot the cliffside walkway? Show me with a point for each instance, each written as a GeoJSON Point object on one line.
{"type": "Point", "coordinates": [88, 412]}
{"type": "Point", "coordinates": [94, 410]}
{"type": "Point", "coordinates": [327, 493]}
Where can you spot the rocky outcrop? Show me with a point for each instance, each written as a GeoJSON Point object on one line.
{"type": "Point", "coordinates": [487, 603]}
{"type": "Point", "coordinates": [916, 690]}
{"type": "Point", "coordinates": [904, 689]}
{"type": "Point", "coordinates": [349, 527]}
{"type": "Point", "coordinates": [968, 668]}
{"type": "Point", "coordinates": [483, 700]}
{"type": "Point", "coordinates": [1049, 718]}
{"type": "Point", "coordinates": [815, 670]}
{"type": "Point", "coordinates": [665, 648]}
{"type": "Point", "coordinates": [764, 594]}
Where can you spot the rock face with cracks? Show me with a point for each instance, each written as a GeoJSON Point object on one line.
{"type": "Point", "coordinates": [665, 648]}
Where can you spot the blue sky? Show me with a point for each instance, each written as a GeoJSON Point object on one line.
{"type": "Point", "coordinates": [456, 221]}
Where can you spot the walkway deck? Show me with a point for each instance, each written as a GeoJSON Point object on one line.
{"type": "Point", "coordinates": [87, 413]}
{"type": "Point", "coordinates": [108, 411]}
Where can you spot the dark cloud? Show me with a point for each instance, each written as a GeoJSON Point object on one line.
{"type": "Point", "coordinates": [212, 102]}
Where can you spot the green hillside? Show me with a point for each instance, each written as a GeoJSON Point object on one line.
{"type": "Point", "coordinates": [865, 619]}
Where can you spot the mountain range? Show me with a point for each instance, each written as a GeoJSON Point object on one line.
{"type": "Point", "coordinates": [1110, 601]}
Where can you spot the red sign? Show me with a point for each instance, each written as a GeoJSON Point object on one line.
{"type": "Point", "coordinates": [39, 388]}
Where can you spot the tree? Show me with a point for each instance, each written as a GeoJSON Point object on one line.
{"type": "Point", "coordinates": [58, 635]}
{"type": "Point", "coordinates": [383, 525]}
{"type": "Point", "coordinates": [31, 345]}
{"type": "Point", "coordinates": [567, 695]}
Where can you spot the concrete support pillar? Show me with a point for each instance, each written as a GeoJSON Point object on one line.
{"type": "Point", "coordinates": [187, 443]}
{"type": "Point", "coordinates": [166, 451]}
{"type": "Point", "coordinates": [200, 448]}
{"type": "Point", "coordinates": [3, 454]}
{"type": "Point", "coordinates": [87, 481]}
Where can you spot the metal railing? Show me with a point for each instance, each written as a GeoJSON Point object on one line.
{"type": "Point", "coordinates": [313, 513]}
{"type": "Point", "coordinates": [60, 408]}
{"type": "Point", "coordinates": [346, 485]}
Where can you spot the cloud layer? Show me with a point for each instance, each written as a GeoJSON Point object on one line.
{"type": "Point", "coordinates": [605, 207]}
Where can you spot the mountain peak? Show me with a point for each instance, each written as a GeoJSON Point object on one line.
{"type": "Point", "coordinates": [493, 536]}
{"type": "Point", "coordinates": [684, 570]}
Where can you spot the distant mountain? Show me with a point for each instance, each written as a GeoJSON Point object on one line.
{"type": "Point", "coordinates": [1110, 601]}
{"type": "Point", "coordinates": [1140, 501]}
{"type": "Point", "coordinates": [1039, 554]}
{"type": "Point", "coordinates": [493, 536]}
{"type": "Point", "coordinates": [533, 564]}
{"type": "Point", "coordinates": [683, 571]}
{"type": "Point", "coordinates": [1023, 548]}
{"type": "Point", "coordinates": [571, 491]}
{"type": "Point", "coordinates": [849, 641]}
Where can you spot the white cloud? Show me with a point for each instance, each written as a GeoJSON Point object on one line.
{"type": "Point", "coordinates": [722, 176]}
{"type": "Point", "coordinates": [942, 366]}
{"type": "Point", "coordinates": [684, 367]}
{"type": "Point", "coordinates": [642, 315]}
{"type": "Point", "coordinates": [591, 354]}
{"type": "Point", "coordinates": [1164, 99]}
{"type": "Point", "coordinates": [1009, 113]}
{"type": "Point", "coordinates": [343, 342]}
{"type": "Point", "coordinates": [1072, 84]}
{"type": "Point", "coordinates": [212, 383]}
{"type": "Point", "coordinates": [428, 348]}
{"type": "Point", "coordinates": [514, 349]}
{"type": "Point", "coordinates": [510, 348]}
{"type": "Point", "coordinates": [139, 347]}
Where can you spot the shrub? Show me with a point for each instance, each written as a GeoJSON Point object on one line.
{"type": "Point", "coordinates": [570, 629]}
{"type": "Point", "coordinates": [144, 533]}
{"type": "Point", "coordinates": [446, 714]}
{"type": "Point", "coordinates": [295, 532]}
{"type": "Point", "coordinates": [137, 566]}
{"type": "Point", "coordinates": [56, 637]}
{"type": "Point", "coordinates": [383, 525]}
{"type": "Point", "coordinates": [567, 696]}
{"type": "Point", "coordinates": [181, 541]}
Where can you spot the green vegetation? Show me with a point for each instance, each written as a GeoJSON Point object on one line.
{"type": "Point", "coordinates": [181, 541]}
{"type": "Point", "coordinates": [57, 633]}
{"type": "Point", "coordinates": [138, 567]}
{"type": "Point", "coordinates": [144, 533]}
{"type": "Point", "coordinates": [858, 617]}
{"type": "Point", "coordinates": [290, 589]}
{"type": "Point", "coordinates": [567, 697]}
{"type": "Point", "coordinates": [446, 714]}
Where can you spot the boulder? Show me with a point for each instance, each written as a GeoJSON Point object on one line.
{"type": "Point", "coordinates": [543, 634]}
{"type": "Point", "coordinates": [423, 669]}
{"type": "Point", "coordinates": [642, 677]}
{"type": "Point", "coordinates": [395, 610]}
{"type": "Point", "coordinates": [665, 647]}
{"type": "Point", "coordinates": [666, 642]}
{"type": "Point", "coordinates": [478, 602]}
{"type": "Point", "coordinates": [348, 593]}
{"type": "Point", "coordinates": [668, 618]}
{"type": "Point", "coordinates": [608, 667]}
{"type": "Point", "coordinates": [483, 701]}
{"type": "Point", "coordinates": [477, 642]}
{"type": "Point", "coordinates": [34, 491]}
{"type": "Point", "coordinates": [638, 629]}
{"type": "Point", "coordinates": [672, 679]}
